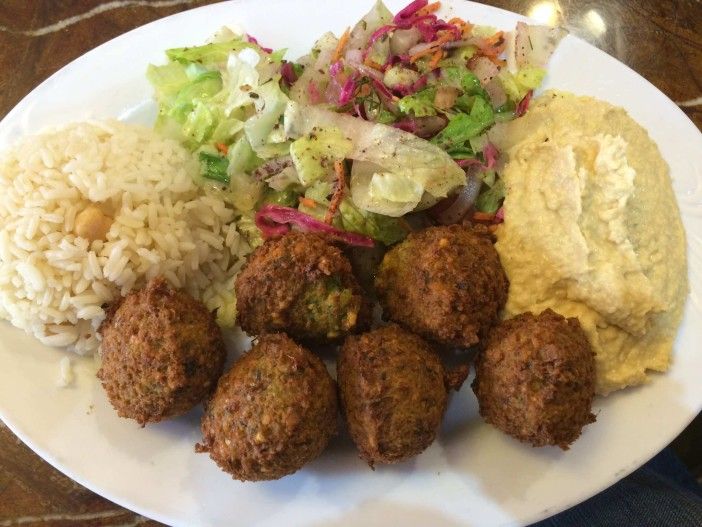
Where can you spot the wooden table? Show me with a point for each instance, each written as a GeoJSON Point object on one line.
{"type": "Point", "coordinates": [662, 40]}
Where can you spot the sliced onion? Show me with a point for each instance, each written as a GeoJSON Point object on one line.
{"type": "Point", "coordinates": [370, 72]}
{"type": "Point", "coordinates": [424, 127]}
{"type": "Point", "coordinates": [445, 97]}
{"type": "Point", "coordinates": [419, 48]}
{"type": "Point", "coordinates": [496, 92]}
{"type": "Point", "coordinates": [523, 105]}
{"type": "Point", "coordinates": [459, 43]}
{"type": "Point", "coordinates": [336, 68]}
{"type": "Point", "coordinates": [385, 96]}
{"type": "Point", "coordinates": [403, 39]}
{"type": "Point", "coordinates": [360, 111]}
{"type": "Point", "coordinates": [287, 72]}
{"type": "Point", "coordinates": [521, 44]}
{"type": "Point", "coordinates": [354, 57]}
{"type": "Point", "coordinates": [484, 69]}
{"type": "Point", "coordinates": [408, 12]}
{"type": "Point", "coordinates": [313, 93]}
{"type": "Point", "coordinates": [420, 83]}
{"type": "Point", "coordinates": [253, 40]}
{"type": "Point", "coordinates": [534, 45]}
{"type": "Point", "coordinates": [347, 91]}
{"type": "Point", "coordinates": [275, 220]}
{"type": "Point", "coordinates": [490, 154]}
{"type": "Point", "coordinates": [377, 34]}
{"type": "Point", "coordinates": [425, 26]}
{"type": "Point", "coordinates": [457, 210]}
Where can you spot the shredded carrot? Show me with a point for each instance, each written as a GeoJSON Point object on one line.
{"type": "Point", "coordinates": [445, 37]}
{"type": "Point", "coordinates": [493, 227]}
{"type": "Point", "coordinates": [498, 62]}
{"type": "Point", "coordinates": [495, 43]}
{"type": "Point", "coordinates": [372, 64]}
{"type": "Point", "coordinates": [308, 202]}
{"type": "Point", "coordinates": [414, 58]}
{"type": "Point", "coordinates": [492, 40]}
{"type": "Point", "coordinates": [341, 45]}
{"type": "Point", "coordinates": [467, 29]}
{"type": "Point", "coordinates": [364, 91]}
{"type": "Point", "coordinates": [429, 9]}
{"type": "Point", "coordinates": [338, 194]}
{"type": "Point", "coordinates": [483, 216]}
{"type": "Point", "coordinates": [222, 148]}
{"type": "Point", "coordinates": [434, 62]}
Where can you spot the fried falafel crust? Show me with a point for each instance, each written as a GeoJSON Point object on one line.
{"type": "Point", "coordinates": [301, 284]}
{"type": "Point", "coordinates": [535, 379]}
{"type": "Point", "coordinates": [162, 353]}
{"type": "Point", "coordinates": [445, 283]}
{"type": "Point", "coordinates": [392, 392]}
{"type": "Point", "coordinates": [274, 411]}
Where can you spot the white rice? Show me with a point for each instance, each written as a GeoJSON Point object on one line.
{"type": "Point", "coordinates": [53, 283]}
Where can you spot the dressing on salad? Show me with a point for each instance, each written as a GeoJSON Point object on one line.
{"type": "Point", "coordinates": [388, 119]}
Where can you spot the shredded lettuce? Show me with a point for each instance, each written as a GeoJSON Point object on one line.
{"type": "Point", "coordinates": [246, 225]}
{"type": "Point", "coordinates": [420, 104]}
{"type": "Point", "coordinates": [167, 80]}
{"type": "Point", "coordinates": [241, 156]}
{"type": "Point", "coordinates": [214, 167]}
{"type": "Point", "coordinates": [287, 198]}
{"type": "Point", "coordinates": [385, 229]}
{"type": "Point", "coordinates": [490, 199]}
{"type": "Point", "coordinates": [244, 191]}
{"type": "Point", "coordinates": [463, 126]}
{"type": "Point", "coordinates": [183, 94]}
{"type": "Point", "coordinates": [400, 76]}
{"type": "Point", "coordinates": [317, 193]}
{"type": "Point", "coordinates": [463, 79]}
{"type": "Point", "coordinates": [389, 152]}
{"type": "Point", "coordinates": [212, 96]}
{"type": "Point", "coordinates": [208, 54]}
{"type": "Point", "coordinates": [525, 79]}
{"type": "Point", "coordinates": [314, 154]}
{"type": "Point", "coordinates": [241, 78]}
{"type": "Point", "coordinates": [263, 129]}
{"type": "Point", "coordinates": [378, 16]}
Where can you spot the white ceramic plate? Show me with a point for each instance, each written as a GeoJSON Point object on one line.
{"type": "Point", "coordinates": [472, 475]}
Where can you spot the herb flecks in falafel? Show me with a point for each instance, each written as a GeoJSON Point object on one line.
{"type": "Point", "coordinates": [445, 283]}
{"type": "Point", "coordinates": [535, 379]}
{"type": "Point", "coordinates": [162, 353]}
{"type": "Point", "coordinates": [301, 284]}
{"type": "Point", "coordinates": [274, 411]}
{"type": "Point", "coordinates": [393, 391]}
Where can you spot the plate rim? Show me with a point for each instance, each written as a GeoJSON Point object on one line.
{"type": "Point", "coordinates": [48, 457]}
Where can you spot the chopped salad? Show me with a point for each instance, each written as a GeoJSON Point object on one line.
{"type": "Point", "coordinates": [385, 121]}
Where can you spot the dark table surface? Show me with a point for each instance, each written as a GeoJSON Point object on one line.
{"type": "Point", "coordinates": [662, 40]}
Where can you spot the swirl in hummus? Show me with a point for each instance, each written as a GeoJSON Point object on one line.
{"type": "Point", "coordinates": [592, 230]}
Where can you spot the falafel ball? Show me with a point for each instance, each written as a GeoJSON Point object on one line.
{"type": "Point", "coordinates": [301, 284]}
{"type": "Point", "coordinates": [392, 392]}
{"type": "Point", "coordinates": [272, 412]}
{"type": "Point", "coordinates": [445, 283]}
{"type": "Point", "coordinates": [162, 353]}
{"type": "Point", "coordinates": [535, 380]}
